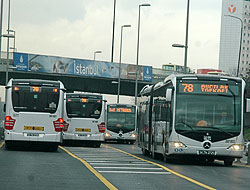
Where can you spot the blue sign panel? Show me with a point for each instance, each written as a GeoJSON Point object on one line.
{"type": "Point", "coordinates": [21, 61]}
{"type": "Point", "coordinates": [147, 73]}
{"type": "Point", "coordinates": [81, 67]}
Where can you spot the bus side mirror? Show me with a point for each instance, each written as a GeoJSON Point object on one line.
{"type": "Point", "coordinates": [169, 95]}
{"type": "Point", "coordinates": [248, 105]}
{"type": "Point", "coordinates": [4, 108]}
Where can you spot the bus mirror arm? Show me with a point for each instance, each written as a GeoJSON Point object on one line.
{"type": "Point", "coordinates": [248, 105]}
{"type": "Point", "coordinates": [169, 95]}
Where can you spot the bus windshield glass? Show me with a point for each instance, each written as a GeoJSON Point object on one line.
{"type": "Point", "coordinates": [84, 107]}
{"type": "Point", "coordinates": [121, 119]}
{"type": "Point", "coordinates": [212, 107]}
{"type": "Point", "coordinates": [27, 98]}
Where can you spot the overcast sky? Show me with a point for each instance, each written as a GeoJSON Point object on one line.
{"type": "Point", "coordinates": [77, 28]}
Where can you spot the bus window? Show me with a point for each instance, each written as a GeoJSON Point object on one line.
{"type": "Point", "coordinates": [42, 99]}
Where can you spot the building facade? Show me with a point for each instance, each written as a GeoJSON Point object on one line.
{"type": "Point", "coordinates": [235, 37]}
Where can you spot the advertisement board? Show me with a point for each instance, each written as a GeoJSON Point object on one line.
{"type": "Point", "coordinates": [81, 67]}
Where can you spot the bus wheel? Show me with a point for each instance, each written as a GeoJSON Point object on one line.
{"type": "Point", "coordinates": [228, 162]}
{"type": "Point", "coordinates": [97, 145]}
{"type": "Point", "coordinates": [53, 148]}
{"type": "Point", "coordinates": [8, 146]}
{"type": "Point", "coordinates": [145, 152]}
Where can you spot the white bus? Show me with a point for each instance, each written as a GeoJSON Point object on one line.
{"type": "Point", "coordinates": [34, 110]}
{"type": "Point", "coordinates": [84, 115]}
{"type": "Point", "coordinates": [196, 115]}
{"type": "Point", "coordinates": [121, 123]}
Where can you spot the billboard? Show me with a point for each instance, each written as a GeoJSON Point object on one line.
{"type": "Point", "coordinates": [81, 67]}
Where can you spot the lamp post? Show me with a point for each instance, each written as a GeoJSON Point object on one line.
{"type": "Point", "coordinates": [113, 34]}
{"type": "Point", "coordinates": [96, 53]}
{"type": "Point", "coordinates": [1, 28]}
{"type": "Point", "coordinates": [120, 60]}
{"type": "Point", "coordinates": [186, 41]}
{"type": "Point", "coordinates": [137, 57]}
{"type": "Point", "coordinates": [14, 48]}
{"type": "Point", "coordinates": [241, 30]}
{"type": "Point", "coordinates": [8, 60]}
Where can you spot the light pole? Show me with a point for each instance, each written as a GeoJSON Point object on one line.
{"type": "Point", "coordinates": [137, 57]}
{"type": "Point", "coordinates": [8, 43]}
{"type": "Point", "coordinates": [186, 41]}
{"type": "Point", "coordinates": [241, 30]}
{"type": "Point", "coordinates": [180, 46]}
{"type": "Point", "coordinates": [8, 60]}
{"type": "Point", "coordinates": [14, 48]}
{"type": "Point", "coordinates": [96, 53]}
{"type": "Point", "coordinates": [113, 34]}
{"type": "Point", "coordinates": [1, 29]}
{"type": "Point", "coordinates": [120, 60]}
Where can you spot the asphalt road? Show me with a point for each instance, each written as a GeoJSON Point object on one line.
{"type": "Point", "coordinates": [38, 169]}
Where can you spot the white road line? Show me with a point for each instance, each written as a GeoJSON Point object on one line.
{"type": "Point", "coordinates": [129, 168]}
{"type": "Point", "coordinates": [135, 172]}
{"type": "Point", "coordinates": [118, 161]}
{"type": "Point", "coordinates": [111, 164]}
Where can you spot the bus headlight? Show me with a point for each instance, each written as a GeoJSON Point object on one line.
{"type": "Point", "coordinates": [236, 147]}
{"type": "Point", "coordinates": [178, 145]}
{"type": "Point", "coordinates": [133, 135]}
{"type": "Point", "coordinates": [107, 134]}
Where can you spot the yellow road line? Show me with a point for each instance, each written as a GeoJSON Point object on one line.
{"type": "Point", "coordinates": [165, 168]}
{"type": "Point", "coordinates": [98, 175]}
{"type": "Point", "coordinates": [1, 144]}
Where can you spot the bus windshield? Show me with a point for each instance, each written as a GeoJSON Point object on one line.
{"type": "Point", "coordinates": [121, 119]}
{"type": "Point", "coordinates": [84, 107]}
{"type": "Point", "coordinates": [198, 113]}
{"type": "Point", "coordinates": [35, 99]}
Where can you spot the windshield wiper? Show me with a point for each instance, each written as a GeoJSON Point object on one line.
{"type": "Point", "coordinates": [186, 125]}
{"type": "Point", "coordinates": [221, 130]}
{"type": "Point", "coordinates": [20, 107]}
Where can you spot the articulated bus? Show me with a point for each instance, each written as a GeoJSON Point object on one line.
{"type": "Point", "coordinates": [34, 110]}
{"type": "Point", "coordinates": [121, 123]}
{"type": "Point", "coordinates": [84, 115]}
{"type": "Point", "coordinates": [197, 116]}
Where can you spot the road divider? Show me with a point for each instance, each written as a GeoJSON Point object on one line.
{"type": "Point", "coordinates": [97, 174]}
{"type": "Point", "coordinates": [165, 168]}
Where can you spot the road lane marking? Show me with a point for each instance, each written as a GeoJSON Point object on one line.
{"type": "Point", "coordinates": [98, 175]}
{"type": "Point", "coordinates": [114, 164]}
{"type": "Point", "coordinates": [129, 168]}
{"type": "Point", "coordinates": [165, 168]}
{"type": "Point", "coordinates": [1, 145]}
{"type": "Point", "coordinates": [135, 172]}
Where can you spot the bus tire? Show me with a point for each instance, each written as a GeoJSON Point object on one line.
{"type": "Point", "coordinates": [53, 148]}
{"type": "Point", "coordinates": [228, 162]}
{"type": "Point", "coordinates": [97, 145]}
{"type": "Point", "coordinates": [145, 152]}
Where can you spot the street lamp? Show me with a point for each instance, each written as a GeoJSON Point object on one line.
{"type": "Point", "coordinates": [186, 41]}
{"type": "Point", "coordinates": [137, 57]}
{"type": "Point", "coordinates": [1, 27]}
{"type": "Point", "coordinates": [8, 60]}
{"type": "Point", "coordinates": [96, 53]}
{"type": "Point", "coordinates": [14, 48]}
{"type": "Point", "coordinates": [120, 60]}
{"type": "Point", "coordinates": [241, 30]}
{"type": "Point", "coordinates": [113, 34]}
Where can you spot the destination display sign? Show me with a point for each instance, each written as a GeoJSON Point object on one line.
{"type": "Point", "coordinates": [124, 110]}
{"type": "Point", "coordinates": [209, 88]}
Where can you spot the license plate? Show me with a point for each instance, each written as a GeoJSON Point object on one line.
{"type": "Point", "coordinates": [206, 152]}
{"type": "Point", "coordinates": [82, 130]}
{"type": "Point", "coordinates": [33, 128]}
{"type": "Point", "coordinates": [33, 134]}
{"type": "Point", "coordinates": [81, 135]}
